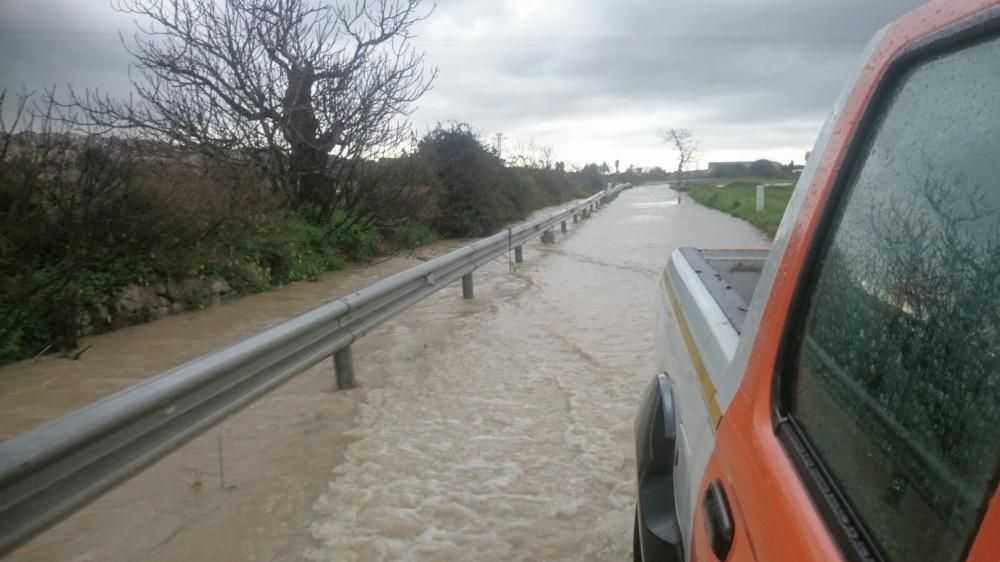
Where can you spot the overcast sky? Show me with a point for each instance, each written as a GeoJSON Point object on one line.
{"type": "Point", "coordinates": [595, 79]}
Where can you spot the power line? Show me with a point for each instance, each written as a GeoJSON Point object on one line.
{"type": "Point", "coordinates": [643, 42]}
{"type": "Point", "coordinates": [543, 41]}
{"type": "Point", "coordinates": [784, 76]}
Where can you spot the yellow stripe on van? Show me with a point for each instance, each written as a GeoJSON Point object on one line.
{"type": "Point", "coordinates": [707, 388]}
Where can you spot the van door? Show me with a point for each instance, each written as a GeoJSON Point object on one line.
{"type": "Point", "coordinates": [867, 427]}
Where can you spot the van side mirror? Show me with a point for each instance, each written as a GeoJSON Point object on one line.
{"type": "Point", "coordinates": [656, 453]}
{"type": "Point", "coordinates": [656, 424]}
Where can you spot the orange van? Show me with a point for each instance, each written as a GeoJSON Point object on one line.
{"type": "Point", "coordinates": [838, 398]}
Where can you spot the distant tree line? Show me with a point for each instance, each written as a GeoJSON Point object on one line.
{"type": "Point", "coordinates": [637, 175]}
{"type": "Point", "coordinates": [761, 168]}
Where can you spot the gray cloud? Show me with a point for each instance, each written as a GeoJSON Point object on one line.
{"type": "Point", "coordinates": [595, 78]}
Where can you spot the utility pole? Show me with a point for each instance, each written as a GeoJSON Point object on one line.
{"type": "Point", "coordinates": [500, 146]}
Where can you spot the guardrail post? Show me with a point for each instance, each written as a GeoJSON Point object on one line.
{"type": "Point", "coordinates": [563, 227]}
{"type": "Point", "coordinates": [343, 365]}
{"type": "Point", "coordinates": [518, 255]}
{"type": "Point", "coordinates": [576, 218]}
{"type": "Point", "coordinates": [467, 290]}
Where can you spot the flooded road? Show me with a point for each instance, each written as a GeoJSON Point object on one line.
{"type": "Point", "coordinates": [493, 429]}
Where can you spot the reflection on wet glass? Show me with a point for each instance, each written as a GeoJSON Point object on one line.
{"type": "Point", "coordinates": [897, 385]}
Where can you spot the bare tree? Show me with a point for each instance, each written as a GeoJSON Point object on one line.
{"type": "Point", "coordinates": [682, 142]}
{"type": "Point", "coordinates": [529, 154]}
{"type": "Point", "coordinates": [307, 91]}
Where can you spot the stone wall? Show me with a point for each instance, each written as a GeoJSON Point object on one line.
{"type": "Point", "coordinates": [135, 304]}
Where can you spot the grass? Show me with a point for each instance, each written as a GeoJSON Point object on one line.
{"type": "Point", "coordinates": [738, 198]}
{"type": "Point", "coordinates": [746, 179]}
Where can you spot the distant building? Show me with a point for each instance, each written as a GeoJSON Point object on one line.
{"type": "Point", "coordinates": [758, 168]}
{"type": "Point", "coordinates": [689, 174]}
{"type": "Point", "coordinates": [728, 169]}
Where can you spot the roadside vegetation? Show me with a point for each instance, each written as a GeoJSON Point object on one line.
{"type": "Point", "coordinates": [99, 232]}
{"type": "Point", "coordinates": [263, 143]}
{"type": "Point", "coordinates": [739, 198]}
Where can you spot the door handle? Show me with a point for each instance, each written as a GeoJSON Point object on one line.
{"type": "Point", "coordinates": [718, 520]}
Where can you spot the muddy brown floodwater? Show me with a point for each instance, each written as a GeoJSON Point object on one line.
{"type": "Point", "coordinates": [493, 429]}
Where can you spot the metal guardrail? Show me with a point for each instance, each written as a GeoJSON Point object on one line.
{"type": "Point", "coordinates": [51, 471]}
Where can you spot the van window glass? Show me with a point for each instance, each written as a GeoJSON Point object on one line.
{"type": "Point", "coordinates": [896, 384]}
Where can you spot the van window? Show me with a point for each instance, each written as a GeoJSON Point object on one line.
{"type": "Point", "coordinates": [895, 383]}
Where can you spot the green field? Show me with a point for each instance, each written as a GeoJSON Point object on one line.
{"type": "Point", "coordinates": [738, 198]}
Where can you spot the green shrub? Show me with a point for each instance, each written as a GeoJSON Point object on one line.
{"type": "Point", "coordinates": [478, 194]}
{"type": "Point", "coordinates": [274, 250]}
{"type": "Point", "coordinates": [355, 238]}
{"type": "Point", "coordinates": [476, 191]}
{"type": "Point", "coordinates": [409, 235]}
{"type": "Point", "coordinates": [25, 336]}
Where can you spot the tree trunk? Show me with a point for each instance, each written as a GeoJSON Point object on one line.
{"type": "Point", "coordinates": [308, 157]}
